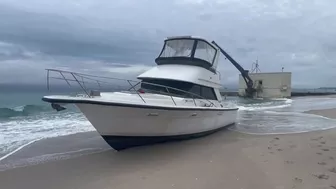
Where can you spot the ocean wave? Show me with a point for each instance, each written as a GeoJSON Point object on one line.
{"type": "Point", "coordinates": [25, 110]}
{"type": "Point", "coordinates": [258, 105]}
{"type": "Point", "coordinates": [17, 132]}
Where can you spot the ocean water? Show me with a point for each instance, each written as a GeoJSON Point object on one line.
{"type": "Point", "coordinates": [281, 116]}
{"type": "Point", "coordinates": [25, 118]}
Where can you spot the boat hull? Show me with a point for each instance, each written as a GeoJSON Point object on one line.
{"type": "Point", "coordinates": [126, 127]}
{"type": "Point", "coordinates": [123, 142]}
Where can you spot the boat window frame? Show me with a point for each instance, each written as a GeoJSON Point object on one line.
{"type": "Point", "coordinates": [200, 94]}
{"type": "Point", "coordinates": [192, 56]}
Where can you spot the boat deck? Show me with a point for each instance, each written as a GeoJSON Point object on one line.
{"type": "Point", "coordinates": [146, 100]}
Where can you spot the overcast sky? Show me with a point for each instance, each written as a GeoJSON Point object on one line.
{"type": "Point", "coordinates": [122, 38]}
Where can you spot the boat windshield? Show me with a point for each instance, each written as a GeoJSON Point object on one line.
{"type": "Point", "coordinates": [191, 90]}
{"type": "Point", "coordinates": [185, 48]}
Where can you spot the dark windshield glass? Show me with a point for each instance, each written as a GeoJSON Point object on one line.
{"type": "Point", "coordinates": [199, 91]}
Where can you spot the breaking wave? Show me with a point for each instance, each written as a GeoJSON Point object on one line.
{"type": "Point", "coordinates": [25, 110]}
{"type": "Point", "coordinates": [258, 105]}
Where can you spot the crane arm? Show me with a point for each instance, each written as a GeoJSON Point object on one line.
{"type": "Point", "coordinates": [249, 82]}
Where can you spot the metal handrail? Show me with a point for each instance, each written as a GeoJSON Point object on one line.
{"type": "Point", "coordinates": [64, 71]}
{"type": "Point", "coordinates": [219, 74]}
{"type": "Point", "coordinates": [75, 78]}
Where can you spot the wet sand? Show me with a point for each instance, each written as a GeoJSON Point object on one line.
{"type": "Point", "coordinates": [316, 96]}
{"type": "Point", "coordinates": [330, 113]}
{"type": "Point", "coordinates": [226, 159]}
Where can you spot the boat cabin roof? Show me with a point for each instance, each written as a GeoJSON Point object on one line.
{"type": "Point", "coordinates": [188, 50]}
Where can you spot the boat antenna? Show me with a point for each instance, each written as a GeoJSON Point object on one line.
{"type": "Point", "coordinates": [255, 67]}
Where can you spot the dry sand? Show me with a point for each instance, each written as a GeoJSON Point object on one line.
{"type": "Point", "coordinates": [226, 159]}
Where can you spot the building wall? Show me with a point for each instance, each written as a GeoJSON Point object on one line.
{"type": "Point", "coordinates": [274, 85]}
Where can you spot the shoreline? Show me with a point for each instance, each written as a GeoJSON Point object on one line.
{"type": "Point", "coordinates": [46, 150]}
{"type": "Point", "coordinates": [316, 96]}
{"type": "Point", "coordinates": [329, 113]}
{"type": "Point", "coordinates": [293, 94]}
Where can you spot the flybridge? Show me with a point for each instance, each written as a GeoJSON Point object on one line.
{"type": "Point", "coordinates": [196, 51]}
{"type": "Point", "coordinates": [188, 50]}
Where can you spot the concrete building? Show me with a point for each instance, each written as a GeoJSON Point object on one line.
{"type": "Point", "coordinates": [269, 85]}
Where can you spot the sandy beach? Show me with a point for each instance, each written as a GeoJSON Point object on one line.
{"type": "Point", "coordinates": [226, 159]}
{"type": "Point", "coordinates": [330, 113]}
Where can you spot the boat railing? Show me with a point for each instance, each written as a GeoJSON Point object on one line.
{"type": "Point", "coordinates": [88, 83]}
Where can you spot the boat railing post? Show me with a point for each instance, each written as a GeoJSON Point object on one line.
{"type": "Point", "coordinates": [133, 87]}
{"type": "Point", "coordinates": [98, 84]}
{"type": "Point", "coordinates": [171, 96]}
{"type": "Point", "coordinates": [64, 78]}
{"type": "Point", "coordinates": [80, 84]}
{"type": "Point", "coordinates": [83, 82]}
{"type": "Point", "coordinates": [48, 80]}
{"type": "Point", "coordinates": [194, 100]}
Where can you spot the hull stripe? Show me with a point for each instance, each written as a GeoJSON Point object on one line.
{"type": "Point", "coordinates": [124, 142]}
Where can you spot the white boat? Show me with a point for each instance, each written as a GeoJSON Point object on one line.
{"type": "Point", "coordinates": [177, 99]}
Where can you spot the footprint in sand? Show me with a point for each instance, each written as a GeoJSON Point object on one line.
{"type": "Point", "coordinates": [280, 149]}
{"type": "Point", "coordinates": [292, 146]}
{"type": "Point", "coordinates": [333, 170]}
{"type": "Point", "coordinates": [296, 182]}
{"type": "Point", "coordinates": [331, 158]}
{"type": "Point", "coordinates": [315, 139]}
{"type": "Point", "coordinates": [289, 162]}
{"type": "Point", "coordinates": [333, 186]}
{"type": "Point", "coordinates": [325, 149]}
{"type": "Point", "coordinates": [322, 176]}
{"type": "Point", "coordinates": [319, 153]}
{"type": "Point", "coordinates": [274, 139]}
{"type": "Point", "coordinates": [322, 142]}
{"type": "Point", "coordinates": [322, 163]}
{"type": "Point", "coordinates": [296, 179]}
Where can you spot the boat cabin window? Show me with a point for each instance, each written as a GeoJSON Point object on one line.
{"type": "Point", "coordinates": [157, 86]}
{"type": "Point", "coordinates": [204, 51]}
{"type": "Point", "coordinates": [195, 52]}
{"type": "Point", "coordinates": [178, 48]}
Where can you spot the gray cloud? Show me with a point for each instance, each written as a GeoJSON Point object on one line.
{"type": "Point", "coordinates": [126, 36]}
{"type": "Point", "coordinates": [60, 36]}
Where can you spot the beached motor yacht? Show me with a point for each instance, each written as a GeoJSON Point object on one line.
{"type": "Point", "coordinates": [177, 99]}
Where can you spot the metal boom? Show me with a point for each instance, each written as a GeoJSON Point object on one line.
{"type": "Point", "coordinates": [249, 82]}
